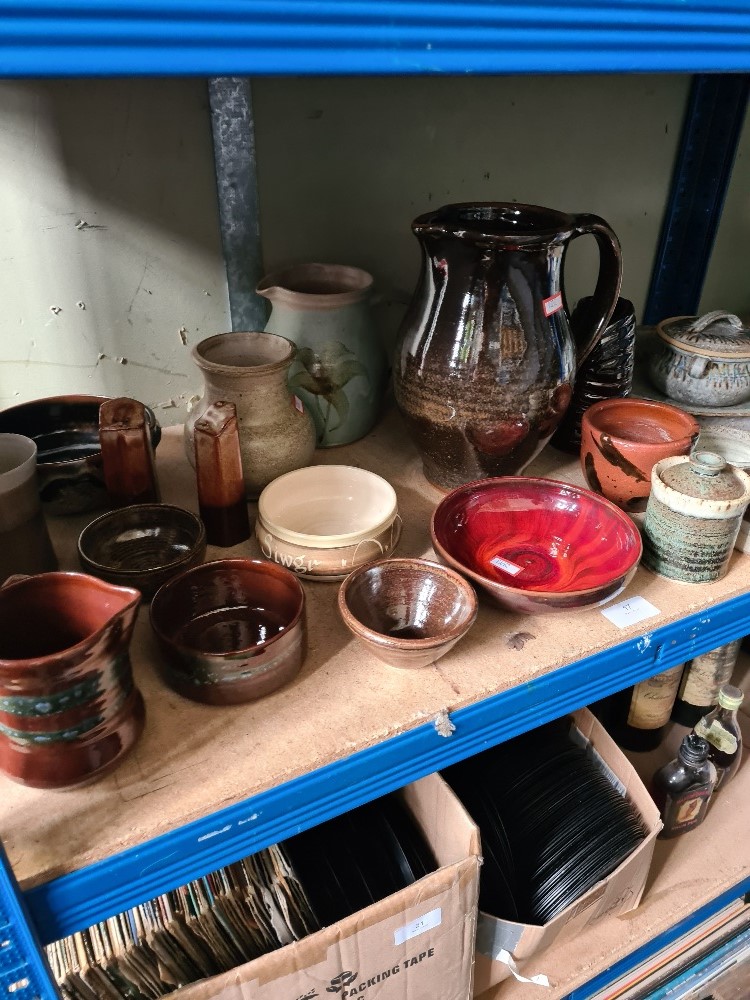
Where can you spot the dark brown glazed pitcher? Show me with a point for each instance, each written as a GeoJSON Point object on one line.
{"type": "Point", "coordinates": [485, 359]}
{"type": "Point", "coordinates": [68, 707]}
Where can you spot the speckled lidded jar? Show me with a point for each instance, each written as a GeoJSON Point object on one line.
{"type": "Point", "coordinates": [702, 361]}
{"type": "Point", "coordinates": [693, 516]}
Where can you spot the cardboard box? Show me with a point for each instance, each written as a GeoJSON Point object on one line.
{"type": "Point", "coordinates": [500, 942]}
{"type": "Point", "coordinates": [414, 945]}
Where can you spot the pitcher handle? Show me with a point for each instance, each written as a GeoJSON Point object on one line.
{"type": "Point", "coordinates": [608, 282]}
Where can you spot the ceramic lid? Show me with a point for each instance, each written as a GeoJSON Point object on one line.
{"type": "Point", "coordinates": [717, 335]}
{"type": "Point", "coordinates": [705, 476]}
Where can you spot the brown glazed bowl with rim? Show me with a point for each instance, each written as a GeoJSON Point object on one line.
{"type": "Point", "coordinates": [142, 546]}
{"type": "Point", "coordinates": [622, 440]}
{"type": "Point", "coordinates": [407, 612]}
{"type": "Point", "coordinates": [230, 631]}
{"type": "Point", "coordinates": [69, 456]}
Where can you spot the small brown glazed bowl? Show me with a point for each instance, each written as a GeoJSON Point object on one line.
{"type": "Point", "coordinates": [230, 630]}
{"type": "Point", "coordinates": [407, 612]}
{"type": "Point", "coordinates": [69, 457]}
{"type": "Point", "coordinates": [621, 441]}
{"type": "Point", "coordinates": [142, 546]}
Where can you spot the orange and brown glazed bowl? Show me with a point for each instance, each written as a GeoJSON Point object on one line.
{"type": "Point", "coordinates": [622, 440]}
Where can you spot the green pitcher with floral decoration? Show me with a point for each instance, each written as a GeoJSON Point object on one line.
{"type": "Point", "coordinates": [341, 367]}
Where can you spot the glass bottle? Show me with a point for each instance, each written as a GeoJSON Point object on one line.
{"type": "Point", "coordinates": [682, 789]}
{"type": "Point", "coordinates": [722, 733]}
{"type": "Point", "coordinates": [637, 717]}
{"type": "Point", "coordinates": [703, 677]}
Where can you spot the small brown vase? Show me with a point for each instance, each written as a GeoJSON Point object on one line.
{"type": "Point", "coordinates": [127, 453]}
{"type": "Point", "coordinates": [218, 470]}
{"type": "Point", "coordinates": [277, 433]}
{"type": "Point", "coordinates": [69, 709]}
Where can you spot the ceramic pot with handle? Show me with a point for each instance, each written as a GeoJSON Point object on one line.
{"type": "Point", "coordinates": [702, 361]}
{"type": "Point", "coordinates": [485, 358]}
{"type": "Point", "coordinates": [340, 370]}
{"type": "Point", "coordinates": [276, 431]}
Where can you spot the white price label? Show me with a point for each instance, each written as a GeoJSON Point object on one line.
{"type": "Point", "coordinates": [506, 566]}
{"type": "Point", "coordinates": [629, 612]}
{"type": "Point", "coordinates": [418, 926]}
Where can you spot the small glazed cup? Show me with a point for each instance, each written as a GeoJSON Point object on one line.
{"type": "Point", "coordinates": [25, 545]}
{"type": "Point", "coordinates": [407, 612]}
{"type": "Point", "coordinates": [622, 440]}
{"type": "Point", "coordinates": [230, 631]}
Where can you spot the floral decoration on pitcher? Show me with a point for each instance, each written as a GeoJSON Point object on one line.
{"type": "Point", "coordinates": [324, 376]}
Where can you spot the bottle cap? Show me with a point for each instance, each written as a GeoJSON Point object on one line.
{"type": "Point", "coordinates": [730, 696]}
{"type": "Point", "coordinates": [693, 749]}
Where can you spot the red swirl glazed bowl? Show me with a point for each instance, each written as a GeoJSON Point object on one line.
{"type": "Point", "coordinates": [537, 546]}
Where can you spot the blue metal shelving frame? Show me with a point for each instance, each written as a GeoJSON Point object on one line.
{"type": "Point", "coordinates": [235, 37]}
{"type": "Point", "coordinates": [711, 132]}
{"type": "Point", "coordinates": [222, 38]}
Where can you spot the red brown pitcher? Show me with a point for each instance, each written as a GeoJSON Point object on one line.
{"type": "Point", "coordinates": [485, 358]}
{"type": "Point", "coordinates": [68, 707]}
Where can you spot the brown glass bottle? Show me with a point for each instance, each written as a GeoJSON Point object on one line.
{"type": "Point", "coordinates": [637, 717]}
{"type": "Point", "coordinates": [682, 789]}
{"type": "Point", "coordinates": [701, 680]}
{"type": "Point", "coordinates": [722, 733]}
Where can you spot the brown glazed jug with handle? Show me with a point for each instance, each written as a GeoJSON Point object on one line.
{"type": "Point", "coordinates": [485, 359]}
{"type": "Point", "coordinates": [69, 708]}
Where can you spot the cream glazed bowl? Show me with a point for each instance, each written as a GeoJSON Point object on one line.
{"type": "Point", "coordinates": [324, 521]}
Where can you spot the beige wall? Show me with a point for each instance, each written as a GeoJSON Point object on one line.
{"type": "Point", "coordinates": [133, 160]}
{"type": "Point", "coordinates": [344, 165]}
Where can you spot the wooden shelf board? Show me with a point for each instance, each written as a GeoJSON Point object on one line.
{"type": "Point", "coordinates": [194, 759]}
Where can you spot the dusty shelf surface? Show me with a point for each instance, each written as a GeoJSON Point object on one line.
{"type": "Point", "coordinates": [687, 872]}
{"type": "Point", "coordinates": [194, 759]}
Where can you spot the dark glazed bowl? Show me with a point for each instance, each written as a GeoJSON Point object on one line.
{"type": "Point", "coordinates": [407, 612]}
{"type": "Point", "coordinates": [142, 546]}
{"type": "Point", "coordinates": [537, 546]}
{"type": "Point", "coordinates": [230, 630]}
{"type": "Point", "coordinates": [69, 458]}
{"type": "Point", "coordinates": [622, 440]}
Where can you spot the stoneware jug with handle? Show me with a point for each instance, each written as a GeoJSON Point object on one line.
{"type": "Point", "coordinates": [340, 369]}
{"type": "Point", "coordinates": [69, 708]}
{"type": "Point", "coordinates": [485, 359]}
